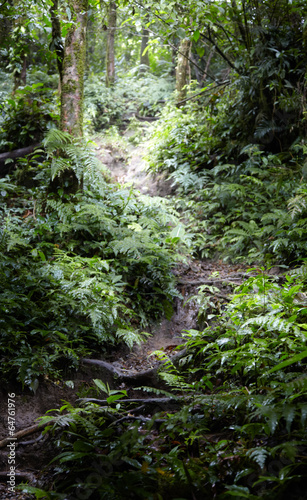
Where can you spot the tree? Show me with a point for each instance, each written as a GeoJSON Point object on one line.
{"type": "Point", "coordinates": [73, 70]}
{"type": "Point", "coordinates": [57, 42]}
{"type": "Point", "coordinates": [144, 59]}
{"type": "Point", "coordinates": [183, 72]}
{"type": "Point", "coordinates": [110, 54]}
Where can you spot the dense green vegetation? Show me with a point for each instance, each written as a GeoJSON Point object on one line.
{"type": "Point", "coordinates": [78, 270]}
{"type": "Point", "coordinates": [86, 263]}
{"type": "Point", "coordinates": [240, 431]}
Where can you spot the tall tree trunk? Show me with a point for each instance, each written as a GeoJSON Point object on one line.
{"type": "Point", "coordinates": [73, 70]}
{"type": "Point", "coordinates": [110, 55]}
{"type": "Point", "coordinates": [144, 59]}
{"type": "Point", "coordinates": [183, 71]}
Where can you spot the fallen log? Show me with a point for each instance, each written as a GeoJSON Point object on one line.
{"type": "Point", "coordinates": [6, 167]}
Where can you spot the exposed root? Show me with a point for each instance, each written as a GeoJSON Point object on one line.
{"type": "Point", "coordinates": [148, 377]}
{"type": "Point", "coordinates": [20, 434]}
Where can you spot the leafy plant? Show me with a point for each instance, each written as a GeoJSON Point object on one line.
{"type": "Point", "coordinates": [28, 115]}
{"type": "Point", "coordinates": [79, 271]}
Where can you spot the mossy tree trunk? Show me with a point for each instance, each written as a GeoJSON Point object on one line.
{"type": "Point", "coordinates": [183, 72]}
{"type": "Point", "coordinates": [110, 55]}
{"type": "Point", "coordinates": [73, 70]}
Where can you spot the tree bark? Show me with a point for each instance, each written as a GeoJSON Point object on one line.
{"type": "Point", "coordinates": [183, 72]}
{"type": "Point", "coordinates": [73, 70]}
{"type": "Point", "coordinates": [110, 55]}
{"type": "Point", "coordinates": [20, 77]}
{"type": "Point", "coordinates": [144, 59]}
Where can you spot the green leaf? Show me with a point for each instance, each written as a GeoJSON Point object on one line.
{"type": "Point", "coordinates": [196, 36]}
{"type": "Point", "coordinates": [42, 255]}
{"type": "Point", "coordinates": [178, 232]}
{"type": "Point", "coordinates": [200, 51]}
{"type": "Point", "coordinates": [113, 398]}
{"type": "Point", "coordinates": [238, 491]}
{"type": "Point", "coordinates": [288, 362]}
{"type": "Point", "coordinates": [83, 446]}
{"type": "Point", "coordinates": [181, 33]}
{"type": "Point", "coordinates": [101, 385]}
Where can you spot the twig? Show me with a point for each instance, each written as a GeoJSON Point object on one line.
{"type": "Point", "coordinates": [104, 402]}
{"type": "Point", "coordinates": [31, 441]}
{"type": "Point", "coordinates": [209, 282]}
{"type": "Point", "coordinates": [27, 476]}
{"type": "Point", "coordinates": [211, 89]}
{"type": "Point", "coordinates": [130, 417]}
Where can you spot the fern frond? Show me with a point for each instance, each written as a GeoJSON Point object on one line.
{"type": "Point", "coordinates": [259, 455]}
{"type": "Point", "coordinates": [130, 337]}
{"type": "Point", "coordinates": [270, 323]}
{"type": "Point", "coordinates": [58, 166]}
{"type": "Point", "coordinates": [297, 204]}
{"type": "Point", "coordinates": [56, 139]}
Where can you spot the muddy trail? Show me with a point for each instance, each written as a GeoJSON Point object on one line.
{"type": "Point", "coordinates": [123, 369]}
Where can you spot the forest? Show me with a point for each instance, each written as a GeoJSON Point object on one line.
{"type": "Point", "coordinates": [153, 241]}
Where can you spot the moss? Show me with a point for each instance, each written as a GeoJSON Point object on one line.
{"type": "Point", "coordinates": [78, 5]}
{"type": "Point", "coordinates": [69, 36]}
{"type": "Point", "coordinates": [74, 61]}
{"type": "Point", "coordinates": [69, 86]}
{"type": "Point", "coordinates": [67, 62]}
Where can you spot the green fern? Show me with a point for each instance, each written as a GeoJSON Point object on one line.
{"type": "Point", "coordinates": [297, 205]}
{"type": "Point", "coordinates": [69, 153]}
{"type": "Point", "coordinates": [130, 337]}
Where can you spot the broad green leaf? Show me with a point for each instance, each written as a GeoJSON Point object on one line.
{"type": "Point", "coordinates": [196, 36]}
{"type": "Point", "coordinates": [288, 362]}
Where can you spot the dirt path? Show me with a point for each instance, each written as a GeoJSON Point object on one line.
{"type": "Point", "coordinates": [132, 169]}
{"type": "Point", "coordinates": [35, 452]}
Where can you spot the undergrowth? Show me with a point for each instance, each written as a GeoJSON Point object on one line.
{"type": "Point", "coordinates": [132, 92]}
{"type": "Point", "coordinates": [250, 206]}
{"type": "Point", "coordinates": [79, 270]}
{"type": "Point", "coordinates": [240, 431]}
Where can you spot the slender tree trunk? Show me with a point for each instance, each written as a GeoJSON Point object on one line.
{"type": "Point", "coordinates": [73, 70]}
{"type": "Point", "coordinates": [20, 77]}
{"type": "Point", "coordinates": [20, 47]}
{"type": "Point", "coordinates": [204, 77]}
{"type": "Point", "coordinates": [174, 57]}
{"type": "Point", "coordinates": [90, 42]}
{"type": "Point", "coordinates": [183, 72]}
{"type": "Point", "coordinates": [110, 55]}
{"type": "Point", "coordinates": [57, 38]}
{"type": "Point", "coordinates": [144, 59]}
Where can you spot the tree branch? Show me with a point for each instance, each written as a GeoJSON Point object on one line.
{"type": "Point", "coordinates": [204, 91]}
{"type": "Point", "coordinates": [210, 39]}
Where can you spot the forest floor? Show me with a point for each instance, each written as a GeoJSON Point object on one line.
{"type": "Point", "coordinates": [132, 367]}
